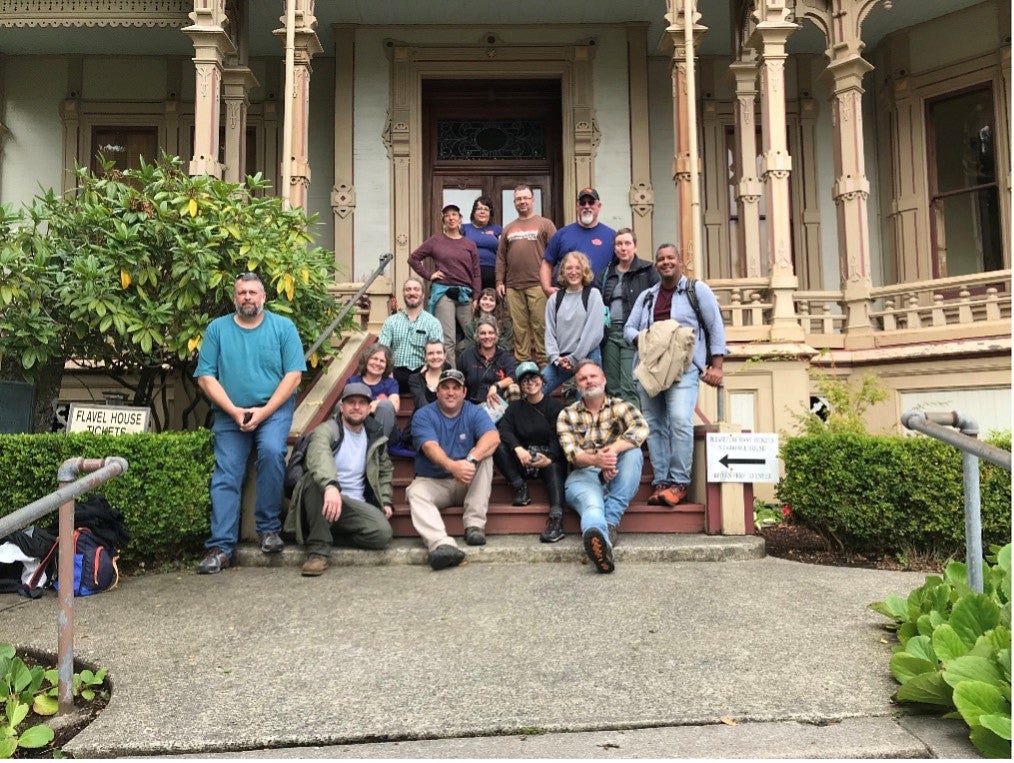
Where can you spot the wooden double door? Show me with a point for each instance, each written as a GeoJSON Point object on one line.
{"type": "Point", "coordinates": [485, 137]}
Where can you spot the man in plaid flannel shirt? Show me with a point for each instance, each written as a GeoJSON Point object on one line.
{"type": "Point", "coordinates": [601, 437]}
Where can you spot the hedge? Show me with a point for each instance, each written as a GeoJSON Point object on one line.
{"type": "Point", "coordinates": [890, 494]}
{"type": "Point", "coordinates": [164, 495]}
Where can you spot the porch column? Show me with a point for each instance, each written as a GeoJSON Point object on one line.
{"type": "Point", "coordinates": [769, 38]}
{"type": "Point", "coordinates": [211, 45]}
{"type": "Point", "coordinates": [306, 46]}
{"type": "Point", "coordinates": [682, 125]}
{"type": "Point", "coordinates": [851, 191]}
{"type": "Point", "coordinates": [749, 187]}
{"type": "Point", "coordinates": [642, 195]}
{"type": "Point", "coordinates": [238, 81]}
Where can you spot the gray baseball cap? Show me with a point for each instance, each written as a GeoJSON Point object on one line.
{"type": "Point", "coordinates": [356, 388]}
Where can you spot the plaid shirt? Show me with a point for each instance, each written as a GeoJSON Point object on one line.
{"type": "Point", "coordinates": [407, 339]}
{"type": "Point", "coordinates": [581, 430]}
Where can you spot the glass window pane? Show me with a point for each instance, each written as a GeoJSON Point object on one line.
{"type": "Point", "coordinates": [967, 232]}
{"type": "Point", "coordinates": [963, 140]}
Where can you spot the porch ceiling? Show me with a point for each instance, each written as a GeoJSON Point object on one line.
{"type": "Point", "coordinates": [488, 14]}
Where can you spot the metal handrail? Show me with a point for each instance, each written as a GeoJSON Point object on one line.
{"type": "Point", "coordinates": [966, 440]}
{"type": "Point", "coordinates": [71, 487]}
{"type": "Point", "coordinates": [385, 260]}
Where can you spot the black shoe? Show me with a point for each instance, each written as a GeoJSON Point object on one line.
{"type": "Point", "coordinates": [521, 497]}
{"type": "Point", "coordinates": [599, 550]}
{"type": "Point", "coordinates": [271, 543]}
{"type": "Point", "coordinates": [474, 536]}
{"type": "Point", "coordinates": [614, 534]}
{"type": "Point", "coordinates": [554, 529]}
{"type": "Point", "coordinates": [216, 560]}
{"type": "Point", "coordinates": [445, 556]}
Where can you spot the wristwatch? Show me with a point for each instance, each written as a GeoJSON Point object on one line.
{"type": "Point", "coordinates": [472, 459]}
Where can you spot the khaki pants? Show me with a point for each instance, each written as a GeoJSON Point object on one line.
{"type": "Point", "coordinates": [427, 496]}
{"type": "Point", "coordinates": [527, 308]}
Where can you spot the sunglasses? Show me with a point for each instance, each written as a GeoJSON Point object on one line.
{"type": "Point", "coordinates": [587, 203]}
{"type": "Point", "coordinates": [247, 276]}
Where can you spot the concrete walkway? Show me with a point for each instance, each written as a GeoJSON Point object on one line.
{"type": "Point", "coordinates": [665, 658]}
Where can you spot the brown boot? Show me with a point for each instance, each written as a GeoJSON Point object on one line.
{"type": "Point", "coordinates": [314, 565]}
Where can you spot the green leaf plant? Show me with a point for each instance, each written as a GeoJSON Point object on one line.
{"type": "Point", "coordinates": [954, 649]}
{"type": "Point", "coordinates": [34, 689]}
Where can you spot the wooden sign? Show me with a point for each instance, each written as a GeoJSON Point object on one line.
{"type": "Point", "coordinates": [108, 419]}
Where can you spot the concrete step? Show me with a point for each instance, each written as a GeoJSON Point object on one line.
{"type": "Point", "coordinates": [527, 549]}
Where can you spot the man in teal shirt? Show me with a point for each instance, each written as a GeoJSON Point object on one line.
{"type": "Point", "coordinates": [251, 363]}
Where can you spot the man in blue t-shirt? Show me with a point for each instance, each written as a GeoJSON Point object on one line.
{"type": "Point", "coordinates": [454, 440]}
{"type": "Point", "coordinates": [251, 363]}
{"type": "Point", "coordinates": [590, 237]}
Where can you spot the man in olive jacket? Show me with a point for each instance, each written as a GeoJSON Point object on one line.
{"type": "Point", "coordinates": [347, 487]}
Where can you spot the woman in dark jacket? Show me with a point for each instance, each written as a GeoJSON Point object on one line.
{"type": "Point", "coordinates": [529, 447]}
{"type": "Point", "coordinates": [488, 370]}
{"type": "Point", "coordinates": [626, 276]}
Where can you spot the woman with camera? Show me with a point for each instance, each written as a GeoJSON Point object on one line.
{"type": "Point", "coordinates": [529, 447]}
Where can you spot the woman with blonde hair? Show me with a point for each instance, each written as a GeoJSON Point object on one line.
{"type": "Point", "coordinates": [574, 321]}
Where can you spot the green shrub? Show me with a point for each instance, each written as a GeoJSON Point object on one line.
{"type": "Point", "coordinates": [893, 494]}
{"type": "Point", "coordinates": [955, 648]}
{"type": "Point", "coordinates": [164, 495]}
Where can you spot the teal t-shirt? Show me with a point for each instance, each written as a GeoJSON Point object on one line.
{"type": "Point", "coordinates": [249, 363]}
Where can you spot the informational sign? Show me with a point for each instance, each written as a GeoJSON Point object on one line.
{"type": "Point", "coordinates": [108, 419]}
{"type": "Point", "coordinates": [742, 457]}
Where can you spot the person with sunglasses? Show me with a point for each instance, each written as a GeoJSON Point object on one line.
{"type": "Point", "coordinates": [249, 367]}
{"type": "Point", "coordinates": [588, 236]}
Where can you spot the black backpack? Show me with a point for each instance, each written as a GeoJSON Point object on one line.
{"type": "Point", "coordinates": [295, 468]}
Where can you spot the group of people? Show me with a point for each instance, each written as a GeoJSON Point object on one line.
{"type": "Point", "coordinates": [610, 314]}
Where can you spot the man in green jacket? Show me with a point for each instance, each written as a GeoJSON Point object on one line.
{"type": "Point", "coordinates": [347, 487]}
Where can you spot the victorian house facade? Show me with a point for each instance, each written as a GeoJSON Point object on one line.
{"type": "Point", "coordinates": [837, 170]}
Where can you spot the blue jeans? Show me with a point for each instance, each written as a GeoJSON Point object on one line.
{"type": "Point", "coordinates": [553, 376]}
{"type": "Point", "coordinates": [670, 417]}
{"type": "Point", "coordinates": [232, 449]}
{"type": "Point", "coordinates": [601, 505]}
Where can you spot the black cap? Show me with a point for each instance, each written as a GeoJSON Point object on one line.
{"type": "Point", "coordinates": [590, 192]}
{"type": "Point", "coordinates": [449, 207]}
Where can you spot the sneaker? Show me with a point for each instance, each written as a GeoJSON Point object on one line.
{"type": "Point", "coordinates": [216, 560]}
{"type": "Point", "coordinates": [521, 497]}
{"type": "Point", "coordinates": [598, 550]}
{"type": "Point", "coordinates": [614, 534]}
{"type": "Point", "coordinates": [314, 565]}
{"type": "Point", "coordinates": [673, 494]}
{"type": "Point", "coordinates": [445, 556]}
{"type": "Point", "coordinates": [474, 536]}
{"type": "Point", "coordinates": [271, 543]}
{"type": "Point", "coordinates": [655, 499]}
{"type": "Point", "coordinates": [554, 529]}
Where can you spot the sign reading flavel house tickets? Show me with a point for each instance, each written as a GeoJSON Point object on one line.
{"type": "Point", "coordinates": [108, 419]}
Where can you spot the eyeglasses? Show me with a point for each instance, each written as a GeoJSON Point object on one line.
{"type": "Point", "coordinates": [480, 208]}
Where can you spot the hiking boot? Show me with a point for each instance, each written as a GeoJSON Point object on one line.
{"type": "Point", "coordinates": [271, 543]}
{"type": "Point", "coordinates": [598, 550]}
{"type": "Point", "coordinates": [554, 529]}
{"type": "Point", "coordinates": [655, 499]}
{"type": "Point", "coordinates": [216, 560]}
{"type": "Point", "coordinates": [445, 556]}
{"type": "Point", "coordinates": [614, 534]}
{"type": "Point", "coordinates": [475, 536]}
{"type": "Point", "coordinates": [314, 565]}
{"type": "Point", "coordinates": [521, 497]}
{"type": "Point", "coordinates": [673, 494]}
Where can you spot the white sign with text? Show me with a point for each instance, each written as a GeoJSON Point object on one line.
{"type": "Point", "coordinates": [742, 457]}
{"type": "Point", "coordinates": [108, 419]}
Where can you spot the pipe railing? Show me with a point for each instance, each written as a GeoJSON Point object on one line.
{"type": "Point", "coordinates": [98, 470]}
{"type": "Point", "coordinates": [941, 425]}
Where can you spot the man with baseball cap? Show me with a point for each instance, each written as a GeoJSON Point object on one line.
{"type": "Point", "coordinates": [590, 237]}
{"type": "Point", "coordinates": [454, 440]}
{"type": "Point", "coordinates": [347, 488]}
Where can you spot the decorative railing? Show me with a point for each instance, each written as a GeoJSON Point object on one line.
{"type": "Point", "coordinates": [957, 301]}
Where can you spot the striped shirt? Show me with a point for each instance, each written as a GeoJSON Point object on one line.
{"type": "Point", "coordinates": [582, 430]}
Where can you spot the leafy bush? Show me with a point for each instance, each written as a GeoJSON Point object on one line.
{"type": "Point", "coordinates": [878, 493]}
{"type": "Point", "coordinates": [164, 495]}
{"type": "Point", "coordinates": [955, 649]}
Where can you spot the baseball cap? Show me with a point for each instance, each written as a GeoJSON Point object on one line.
{"type": "Point", "coordinates": [449, 207]}
{"type": "Point", "coordinates": [588, 192]}
{"type": "Point", "coordinates": [527, 368]}
{"type": "Point", "coordinates": [451, 374]}
{"type": "Point", "coordinates": [356, 388]}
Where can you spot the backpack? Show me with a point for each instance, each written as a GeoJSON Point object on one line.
{"type": "Point", "coordinates": [607, 318]}
{"type": "Point", "coordinates": [295, 467]}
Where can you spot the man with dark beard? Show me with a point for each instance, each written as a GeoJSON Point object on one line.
{"type": "Point", "coordinates": [251, 363]}
{"type": "Point", "coordinates": [601, 437]}
{"type": "Point", "coordinates": [407, 332]}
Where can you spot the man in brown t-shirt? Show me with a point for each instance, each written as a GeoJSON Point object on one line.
{"type": "Point", "coordinates": [518, 260]}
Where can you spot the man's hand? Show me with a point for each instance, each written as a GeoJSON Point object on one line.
{"type": "Point", "coordinates": [606, 460]}
{"type": "Point", "coordinates": [463, 471]}
{"type": "Point", "coordinates": [248, 419]}
{"type": "Point", "coordinates": [388, 510]}
{"type": "Point", "coordinates": [501, 290]}
{"type": "Point", "coordinates": [712, 376]}
{"type": "Point", "coordinates": [332, 504]}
